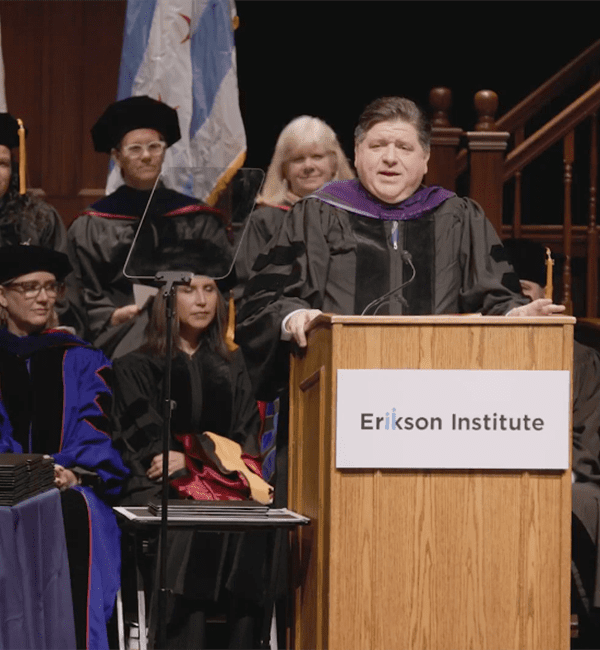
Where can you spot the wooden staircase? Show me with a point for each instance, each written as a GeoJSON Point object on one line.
{"type": "Point", "coordinates": [502, 160]}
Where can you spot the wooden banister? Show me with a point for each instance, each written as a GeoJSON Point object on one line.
{"type": "Point", "coordinates": [556, 129]}
{"type": "Point", "coordinates": [568, 160]}
{"type": "Point", "coordinates": [490, 169]}
{"type": "Point", "coordinates": [487, 146]}
{"type": "Point", "coordinates": [592, 230]}
{"type": "Point", "coordinates": [444, 141]}
{"type": "Point", "coordinates": [518, 115]}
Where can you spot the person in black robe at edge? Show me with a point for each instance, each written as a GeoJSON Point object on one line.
{"type": "Point", "coordinates": [529, 260]}
{"type": "Point", "coordinates": [26, 219]}
{"type": "Point", "coordinates": [23, 217]}
{"type": "Point", "coordinates": [136, 132]}
{"type": "Point", "coordinates": [215, 420]}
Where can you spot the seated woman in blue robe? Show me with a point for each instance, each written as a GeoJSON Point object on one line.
{"type": "Point", "coordinates": [55, 394]}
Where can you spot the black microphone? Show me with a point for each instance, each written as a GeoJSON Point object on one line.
{"type": "Point", "coordinates": [382, 300]}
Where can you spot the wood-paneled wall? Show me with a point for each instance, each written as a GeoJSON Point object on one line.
{"type": "Point", "coordinates": [61, 60]}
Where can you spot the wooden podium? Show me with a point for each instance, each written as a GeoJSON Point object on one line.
{"type": "Point", "coordinates": [439, 559]}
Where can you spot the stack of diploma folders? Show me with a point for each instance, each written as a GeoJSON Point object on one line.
{"type": "Point", "coordinates": [22, 476]}
{"type": "Point", "coordinates": [191, 508]}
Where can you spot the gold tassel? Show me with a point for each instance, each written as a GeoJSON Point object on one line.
{"type": "Point", "coordinates": [230, 334]}
{"type": "Point", "coordinates": [22, 158]}
{"type": "Point", "coordinates": [548, 291]}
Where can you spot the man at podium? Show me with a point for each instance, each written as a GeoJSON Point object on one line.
{"type": "Point", "coordinates": [379, 244]}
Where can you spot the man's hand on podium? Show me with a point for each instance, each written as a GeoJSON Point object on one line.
{"type": "Point", "coordinates": [298, 322]}
{"type": "Point", "coordinates": [539, 307]}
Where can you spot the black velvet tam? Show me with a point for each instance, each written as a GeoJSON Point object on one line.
{"type": "Point", "coordinates": [132, 113]}
{"type": "Point", "coordinates": [22, 259]}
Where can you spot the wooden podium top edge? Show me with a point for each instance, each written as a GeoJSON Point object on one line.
{"type": "Point", "coordinates": [460, 319]}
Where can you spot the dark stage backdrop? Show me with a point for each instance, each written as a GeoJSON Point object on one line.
{"type": "Point", "coordinates": [330, 58]}
{"type": "Point", "coordinates": [324, 58]}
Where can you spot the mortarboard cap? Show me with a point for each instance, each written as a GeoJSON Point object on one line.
{"type": "Point", "coordinates": [132, 113]}
{"type": "Point", "coordinates": [22, 259]}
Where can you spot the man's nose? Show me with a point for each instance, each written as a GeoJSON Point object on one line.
{"type": "Point", "coordinates": [389, 153]}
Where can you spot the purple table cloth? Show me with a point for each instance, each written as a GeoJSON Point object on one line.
{"type": "Point", "coordinates": [36, 609]}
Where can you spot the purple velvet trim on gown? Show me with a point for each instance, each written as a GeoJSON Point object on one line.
{"type": "Point", "coordinates": [351, 195]}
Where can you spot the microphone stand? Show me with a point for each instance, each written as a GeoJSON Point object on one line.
{"type": "Point", "coordinates": [170, 280]}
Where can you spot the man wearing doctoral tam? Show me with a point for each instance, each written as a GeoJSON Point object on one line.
{"type": "Point", "coordinates": [136, 132]}
{"type": "Point", "coordinates": [55, 395]}
{"type": "Point", "coordinates": [351, 242]}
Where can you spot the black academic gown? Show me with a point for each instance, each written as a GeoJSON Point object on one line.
{"type": "Point", "coordinates": [328, 258]}
{"type": "Point", "coordinates": [586, 490]}
{"type": "Point", "coordinates": [33, 221]}
{"type": "Point", "coordinates": [99, 241]}
{"type": "Point", "coordinates": [262, 224]}
{"type": "Point", "coordinates": [211, 394]}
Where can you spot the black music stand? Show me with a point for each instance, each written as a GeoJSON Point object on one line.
{"type": "Point", "coordinates": [138, 521]}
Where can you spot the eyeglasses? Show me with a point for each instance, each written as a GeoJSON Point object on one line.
{"type": "Point", "coordinates": [31, 290]}
{"type": "Point", "coordinates": [137, 150]}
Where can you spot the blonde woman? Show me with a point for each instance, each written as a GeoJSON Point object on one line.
{"type": "Point", "coordinates": [307, 155]}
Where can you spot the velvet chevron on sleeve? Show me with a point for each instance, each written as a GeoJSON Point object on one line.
{"type": "Point", "coordinates": [55, 399]}
{"type": "Point", "coordinates": [338, 250]}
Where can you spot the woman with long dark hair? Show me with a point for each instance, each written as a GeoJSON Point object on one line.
{"type": "Point", "coordinates": [213, 453]}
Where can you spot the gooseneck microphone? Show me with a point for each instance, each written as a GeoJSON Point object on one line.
{"type": "Point", "coordinates": [383, 300]}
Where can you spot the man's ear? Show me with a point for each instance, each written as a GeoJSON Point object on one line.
{"type": "Point", "coordinates": [3, 301]}
{"type": "Point", "coordinates": [114, 154]}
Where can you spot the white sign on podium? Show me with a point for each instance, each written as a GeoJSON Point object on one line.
{"type": "Point", "coordinates": [453, 419]}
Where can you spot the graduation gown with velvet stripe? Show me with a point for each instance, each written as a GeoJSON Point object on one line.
{"type": "Point", "coordinates": [100, 238]}
{"type": "Point", "coordinates": [55, 393]}
{"type": "Point", "coordinates": [262, 224]}
{"type": "Point", "coordinates": [338, 255]}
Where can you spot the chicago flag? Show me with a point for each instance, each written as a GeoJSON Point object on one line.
{"type": "Point", "coordinates": [182, 52]}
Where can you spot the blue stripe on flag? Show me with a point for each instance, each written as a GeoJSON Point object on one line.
{"type": "Point", "coordinates": [211, 47]}
{"type": "Point", "coordinates": [136, 35]}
